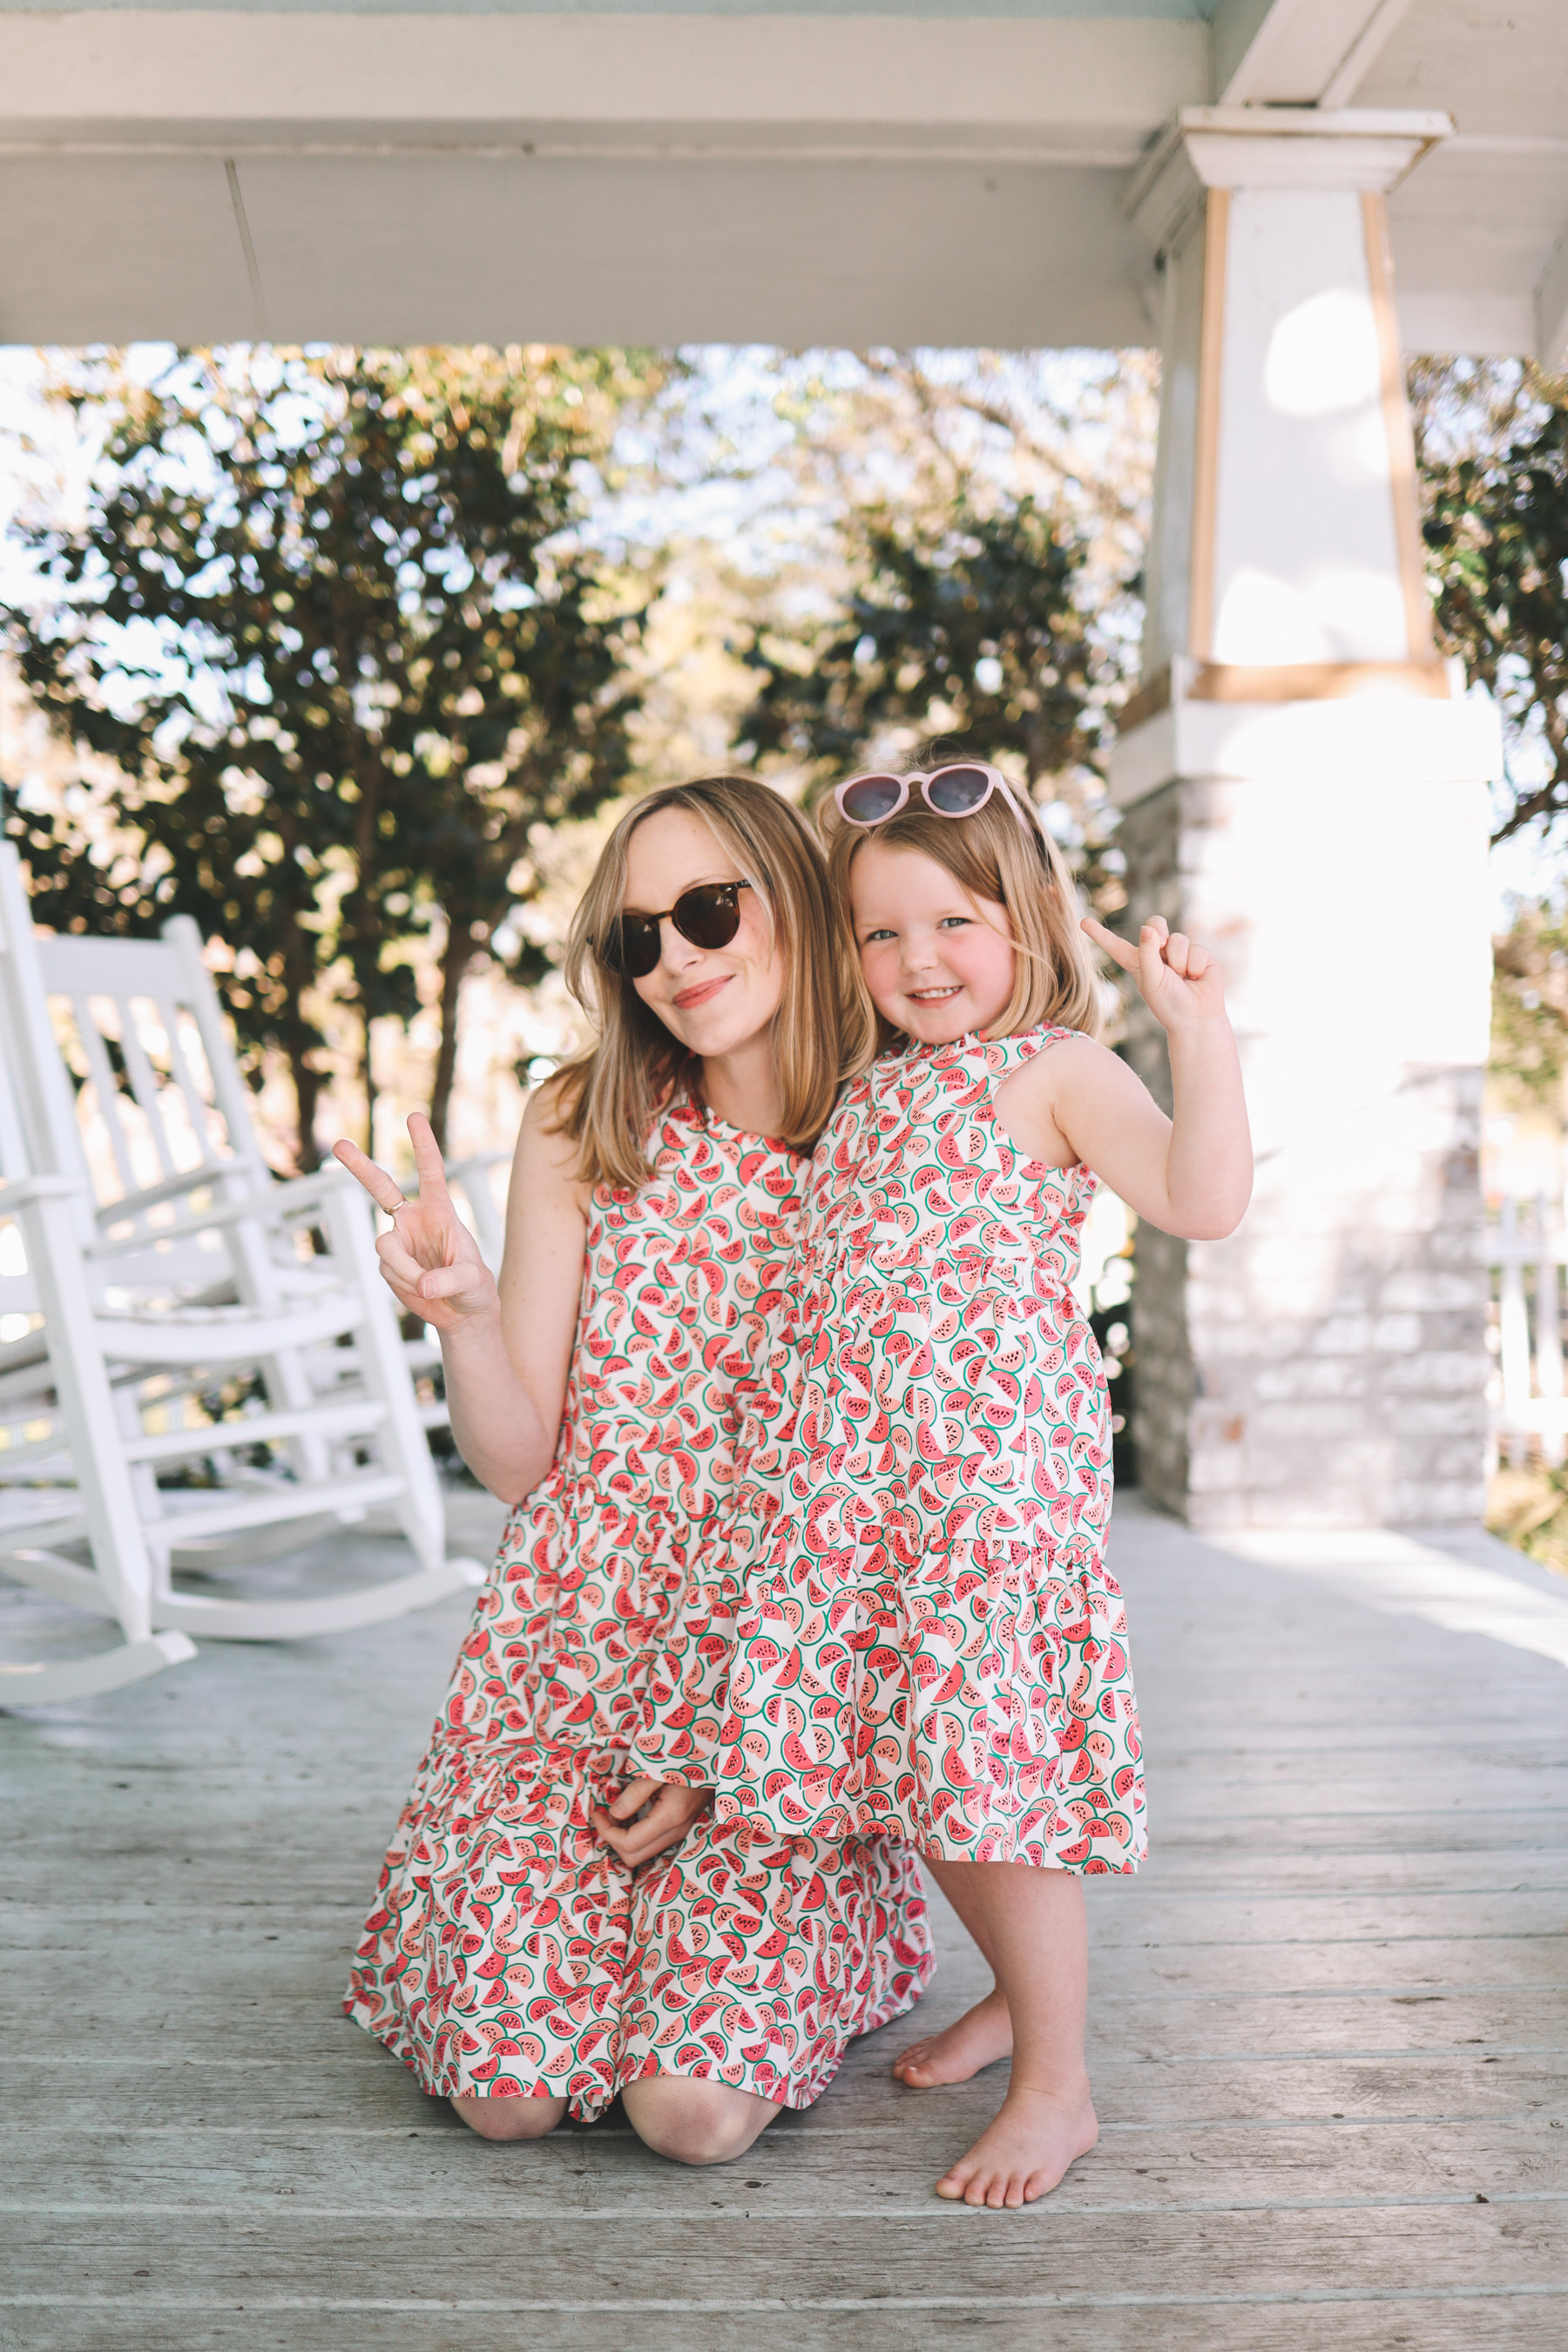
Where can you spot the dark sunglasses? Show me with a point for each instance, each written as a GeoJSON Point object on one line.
{"type": "Point", "coordinates": [709, 916]}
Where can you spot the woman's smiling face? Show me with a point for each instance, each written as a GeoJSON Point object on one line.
{"type": "Point", "coordinates": [715, 1000]}
{"type": "Point", "coordinates": [938, 962]}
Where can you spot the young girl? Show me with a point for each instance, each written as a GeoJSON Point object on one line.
{"type": "Point", "coordinates": [931, 1644]}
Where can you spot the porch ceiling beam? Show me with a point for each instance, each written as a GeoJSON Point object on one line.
{"type": "Point", "coordinates": [1297, 52]}
{"type": "Point", "coordinates": [1024, 89]}
{"type": "Point", "coordinates": [1551, 308]}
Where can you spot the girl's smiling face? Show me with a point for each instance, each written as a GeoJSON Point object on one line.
{"type": "Point", "coordinates": [938, 962]}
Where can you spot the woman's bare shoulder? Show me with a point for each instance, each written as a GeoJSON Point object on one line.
{"type": "Point", "coordinates": [547, 1151]}
{"type": "Point", "coordinates": [1069, 1059]}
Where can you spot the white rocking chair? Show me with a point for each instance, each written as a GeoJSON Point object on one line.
{"type": "Point", "coordinates": [40, 1272]}
{"type": "Point", "coordinates": [209, 1273]}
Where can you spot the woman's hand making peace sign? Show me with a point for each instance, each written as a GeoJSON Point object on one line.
{"type": "Point", "coordinates": [430, 1259]}
{"type": "Point", "coordinates": [506, 1343]}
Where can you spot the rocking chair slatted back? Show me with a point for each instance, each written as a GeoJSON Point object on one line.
{"type": "Point", "coordinates": [163, 1125]}
{"type": "Point", "coordinates": [31, 1425]}
{"type": "Point", "coordinates": [175, 1111]}
{"type": "Point", "coordinates": [57, 1408]}
{"type": "Point", "coordinates": [144, 1334]}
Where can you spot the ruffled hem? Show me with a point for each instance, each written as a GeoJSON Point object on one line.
{"type": "Point", "coordinates": [776, 2018]}
{"type": "Point", "coordinates": [511, 1953]}
{"type": "Point", "coordinates": [503, 2041]}
{"type": "Point", "coordinates": [491, 1962]}
{"type": "Point", "coordinates": [758, 2063]}
{"type": "Point", "coordinates": [1081, 1839]}
{"type": "Point", "coordinates": [978, 1704]}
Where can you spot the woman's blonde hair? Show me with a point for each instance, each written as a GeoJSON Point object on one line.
{"type": "Point", "coordinates": [608, 1101]}
{"type": "Point", "coordinates": [989, 856]}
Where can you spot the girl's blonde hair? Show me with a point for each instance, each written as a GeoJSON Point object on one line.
{"type": "Point", "coordinates": [988, 856]}
{"type": "Point", "coordinates": [608, 1099]}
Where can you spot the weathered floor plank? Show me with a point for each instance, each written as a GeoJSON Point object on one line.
{"type": "Point", "coordinates": [436, 2172]}
{"type": "Point", "coordinates": [377, 2096]}
{"type": "Point", "coordinates": [929, 2251]}
{"type": "Point", "coordinates": [1393, 2322]}
{"type": "Point", "coordinates": [1330, 2036]}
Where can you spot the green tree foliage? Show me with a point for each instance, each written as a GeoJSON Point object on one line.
{"type": "Point", "coordinates": [973, 629]}
{"type": "Point", "coordinates": [986, 516]}
{"type": "Point", "coordinates": [333, 619]}
{"type": "Point", "coordinates": [1493, 441]}
{"type": "Point", "coordinates": [1529, 1010]}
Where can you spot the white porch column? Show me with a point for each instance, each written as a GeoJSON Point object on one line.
{"type": "Point", "coordinates": [1303, 789]}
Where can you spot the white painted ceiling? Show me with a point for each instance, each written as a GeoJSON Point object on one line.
{"type": "Point", "coordinates": [911, 173]}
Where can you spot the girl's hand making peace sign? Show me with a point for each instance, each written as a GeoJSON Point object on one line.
{"type": "Point", "coordinates": [430, 1260]}
{"type": "Point", "coordinates": [1081, 1102]}
{"type": "Point", "coordinates": [1179, 981]}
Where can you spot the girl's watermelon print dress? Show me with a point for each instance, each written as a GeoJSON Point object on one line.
{"type": "Point", "coordinates": [509, 1952]}
{"type": "Point", "coordinates": [930, 1643]}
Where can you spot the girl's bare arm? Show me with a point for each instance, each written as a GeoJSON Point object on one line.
{"type": "Point", "coordinates": [506, 1347]}
{"type": "Point", "coordinates": [1191, 1175]}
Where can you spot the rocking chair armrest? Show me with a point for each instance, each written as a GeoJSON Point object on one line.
{"type": "Point", "coordinates": [204, 1178]}
{"type": "Point", "coordinates": [291, 1196]}
{"type": "Point", "coordinates": [21, 1192]}
{"type": "Point", "coordinates": [299, 1196]}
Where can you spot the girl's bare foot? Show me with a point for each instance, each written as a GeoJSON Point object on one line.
{"type": "Point", "coordinates": [1025, 2151]}
{"type": "Point", "coordinates": [982, 2035]}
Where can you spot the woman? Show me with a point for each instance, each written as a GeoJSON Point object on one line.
{"type": "Point", "coordinates": [557, 1921]}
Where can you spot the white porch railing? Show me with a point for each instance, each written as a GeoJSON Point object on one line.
{"type": "Point", "coordinates": [1528, 1247]}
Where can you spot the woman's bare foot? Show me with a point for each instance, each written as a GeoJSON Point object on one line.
{"type": "Point", "coordinates": [982, 2035]}
{"type": "Point", "coordinates": [1025, 2151]}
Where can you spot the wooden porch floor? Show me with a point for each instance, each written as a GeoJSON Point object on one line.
{"type": "Point", "coordinates": [1328, 2028]}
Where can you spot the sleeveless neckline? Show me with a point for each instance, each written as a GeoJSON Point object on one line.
{"type": "Point", "coordinates": [702, 1114]}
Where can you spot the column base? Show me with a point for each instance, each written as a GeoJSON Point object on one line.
{"type": "Point", "coordinates": [1326, 1365]}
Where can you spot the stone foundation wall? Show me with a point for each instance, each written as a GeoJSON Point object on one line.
{"type": "Point", "coordinates": [1325, 1366]}
{"type": "Point", "coordinates": [1337, 1342]}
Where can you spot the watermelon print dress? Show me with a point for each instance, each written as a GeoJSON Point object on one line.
{"type": "Point", "coordinates": [509, 1952]}
{"type": "Point", "coordinates": [930, 1642]}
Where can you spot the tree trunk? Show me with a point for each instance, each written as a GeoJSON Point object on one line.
{"type": "Point", "coordinates": [1034, 750]}
{"type": "Point", "coordinates": [361, 912]}
{"type": "Point", "coordinates": [367, 1074]}
{"type": "Point", "coordinates": [455, 962]}
{"type": "Point", "coordinates": [307, 1096]}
